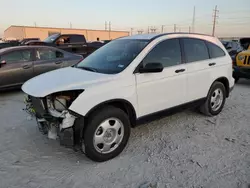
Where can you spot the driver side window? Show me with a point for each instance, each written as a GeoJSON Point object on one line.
{"type": "Point", "coordinates": [168, 53]}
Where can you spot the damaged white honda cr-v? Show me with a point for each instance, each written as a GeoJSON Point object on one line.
{"type": "Point", "coordinates": [94, 104]}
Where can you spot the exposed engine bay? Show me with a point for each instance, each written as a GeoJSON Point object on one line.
{"type": "Point", "coordinates": [54, 117]}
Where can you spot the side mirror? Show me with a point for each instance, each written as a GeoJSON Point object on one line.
{"type": "Point", "coordinates": [151, 68]}
{"type": "Point", "coordinates": [228, 47]}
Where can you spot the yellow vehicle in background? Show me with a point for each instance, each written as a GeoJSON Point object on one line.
{"type": "Point", "coordinates": [241, 63]}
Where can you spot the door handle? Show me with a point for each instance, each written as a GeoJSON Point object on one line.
{"type": "Point", "coordinates": [211, 64]}
{"type": "Point", "coordinates": [180, 70]}
{"type": "Point", "coordinates": [26, 66]}
{"type": "Point", "coordinates": [69, 45]}
{"type": "Point", "coordinates": [58, 62]}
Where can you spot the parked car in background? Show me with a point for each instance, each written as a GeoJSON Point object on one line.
{"type": "Point", "coordinates": [242, 61]}
{"type": "Point", "coordinates": [245, 43]}
{"type": "Point", "coordinates": [103, 96]}
{"type": "Point", "coordinates": [12, 43]}
{"type": "Point", "coordinates": [18, 64]}
{"type": "Point", "coordinates": [7, 44]}
{"type": "Point", "coordinates": [24, 41]}
{"type": "Point", "coordinates": [74, 43]}
{"type": "Point", "coordinates": [233, 48]}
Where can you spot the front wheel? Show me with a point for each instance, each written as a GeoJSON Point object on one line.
{"type": "Point", "coordinates": [215, 100]}
{"type": "Point", "coordinates": [106, 134]}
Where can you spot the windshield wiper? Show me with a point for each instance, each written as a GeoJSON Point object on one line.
{"type": "Point", "coordinates": [88, 69]}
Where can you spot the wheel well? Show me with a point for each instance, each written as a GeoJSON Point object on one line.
{"type": "Point", "coordinates": [124, 105]}
{"type": "Point", "coordinates": [225, 82]}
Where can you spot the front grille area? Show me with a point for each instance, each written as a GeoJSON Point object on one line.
{"type": "Point", "coordinates": [246, 60]}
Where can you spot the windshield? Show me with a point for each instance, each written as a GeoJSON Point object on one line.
{"type": "Point", "coordinates": [114, 57]}
{"type": "Point", "coordinates": [51, 38]}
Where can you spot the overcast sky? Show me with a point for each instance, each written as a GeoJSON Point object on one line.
{"type": "Point", "coordinates": [234, 16]}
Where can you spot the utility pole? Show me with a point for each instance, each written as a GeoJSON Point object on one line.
{"type": "Point", "coordinates": [35, 24]}
{"type": "Point", "coordinates": [189, 29]}
{"type": "Point", "coordinates": [70, 24]}
{"type": "Point", "coordinates": [174, 27]}
{"type": "Point", "coordinates": [215, 16]}
{"type": "Point", "coordinates": [162, 28]}
{"type": "Point", "coordinates": [148, 29]}
{"type": "Point", "coordinates": [105, 25]}
{"type": "Point", "coordinates": [131, 31]}
{"type": "Point", "coordinates": [193, 23]}
{"type": "Point", "coordinates": [109, 29]}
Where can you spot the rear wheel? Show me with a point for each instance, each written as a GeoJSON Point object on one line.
{"type": "Point", "coordinates": [106, 134]}
{"type": "Point", "coordinates": [215, 100]}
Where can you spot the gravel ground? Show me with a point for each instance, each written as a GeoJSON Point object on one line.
{"type": "Point", "coordinates": [186, 149]}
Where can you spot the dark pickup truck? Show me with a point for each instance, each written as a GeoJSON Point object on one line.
{"type": "Point", "coordinates": [74, 43]}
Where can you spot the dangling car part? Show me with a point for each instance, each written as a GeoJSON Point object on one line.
{"type": "Point", "coordinates": [52, 115]}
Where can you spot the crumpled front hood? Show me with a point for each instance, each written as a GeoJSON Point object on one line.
{"type": "Point", "coordinates": [62, 80]}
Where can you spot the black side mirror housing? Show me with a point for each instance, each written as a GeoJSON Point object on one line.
{"type": "Point", "coordinates": [151, 68]}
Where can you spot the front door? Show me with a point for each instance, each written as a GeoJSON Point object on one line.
{"type": "Point", "coordinates": [16, 67]}
{"type": "Point", "coordinates": [159, 91]}
{"type": "Point", "coordinates": [48, 59]}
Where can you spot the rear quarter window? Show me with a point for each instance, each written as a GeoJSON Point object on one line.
{"type": "Point", "coordinates": [215, 51]}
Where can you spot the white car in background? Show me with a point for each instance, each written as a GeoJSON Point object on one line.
{"type": "Point", "coordinates": [95, 103]}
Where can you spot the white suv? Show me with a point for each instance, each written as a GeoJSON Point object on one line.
{"type": "Point", "coordinates": [94, 104]}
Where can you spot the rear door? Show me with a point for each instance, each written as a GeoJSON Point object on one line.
{"type": "Point", "coordinates": [48, 59]}
{"type": "Point", "coordinates": [199, 68]}
{"type": "Point", "coordinates": [18, 67]}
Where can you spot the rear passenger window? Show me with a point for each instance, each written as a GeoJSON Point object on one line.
{"type": "Point", "coordinates": [48, 54]}
{"type": "Point", "coordinates": [168, 53]}
{"type": "Point", "coordinates": [195, 50]}
{"type": "Point", "coordinates": [215, 51]}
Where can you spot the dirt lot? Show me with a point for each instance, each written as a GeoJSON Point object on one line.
{"type": "Point", "coordinates": [183, 150]}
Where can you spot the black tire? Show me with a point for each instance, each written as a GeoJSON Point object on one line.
{"type": "Point", "coordinates": [206, 107]}
{"type": "Point", "coordinates": [95, 119]}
